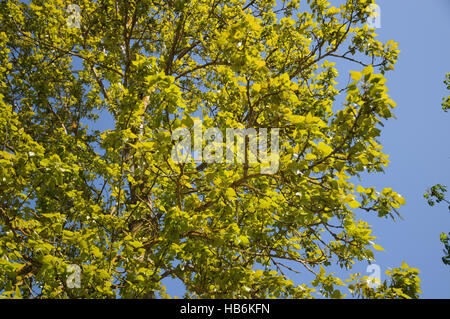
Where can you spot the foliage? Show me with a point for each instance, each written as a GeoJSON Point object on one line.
{"type": "Point", "coordinates": [114, 203]}
{"type": "Point", "coordinates": [446, 103]}
{"type": "Point", "coordinates": [404, 284]}
{"type": "Point", "coordinates": [436, 195]}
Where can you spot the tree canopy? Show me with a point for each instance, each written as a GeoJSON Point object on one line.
{"type": "Point", "coordinates": [114, 203]}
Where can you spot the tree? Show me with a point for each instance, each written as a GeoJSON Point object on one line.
{"type": "Point", "coordinates": [114, 204]}
{"type": "Point", "coordinates": [436, 194]}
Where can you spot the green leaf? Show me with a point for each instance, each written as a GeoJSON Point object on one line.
{"type": "Point", "coordinates": [230, 193]}
{"type": "Point", "coordinates": [356, 76]}
{"type": "Point", "coordinates": [324, 149]}
{"type": "Point", "coordinates": [367, 70]}
{"type": "Point", "coordinates": [354, 204]}
{"type": "Point", "coordinates": [377, 247]}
